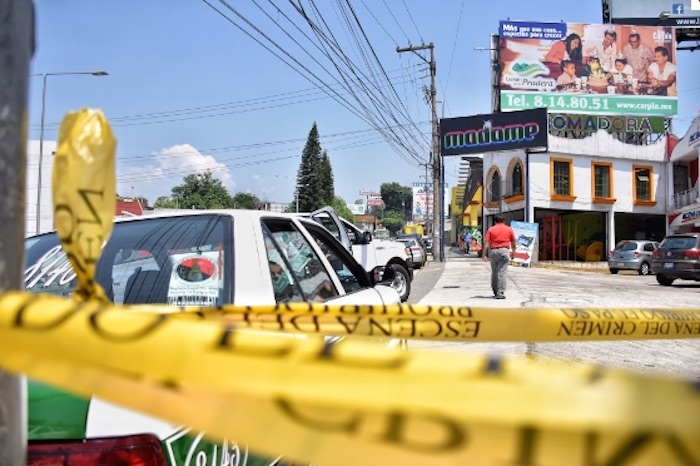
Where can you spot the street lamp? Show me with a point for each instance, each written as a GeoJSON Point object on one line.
{"type": "Point", "coordinates": [41, 134]}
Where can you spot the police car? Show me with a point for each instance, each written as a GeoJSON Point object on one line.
{"type": "Point", "coordinates": [203, 258]}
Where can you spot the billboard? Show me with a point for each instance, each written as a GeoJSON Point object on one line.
{"type": "Point", "coordinates": [422, 202]}
{"type": "Point", "coordinates": [683, 15]}
{"type": "Point", "coordinates": [588, 68]}
{"type": "Point", "coordinates": [493, 132]}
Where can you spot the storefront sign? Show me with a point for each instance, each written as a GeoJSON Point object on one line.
{"type": "Point", "coordinates": [592, 68]}
{"type": "Point", "coordinates": [689, 217]}
{"type": "Point", "coordinates": [493, 132]}
{"type": "Point", "coordinates": [588, 124]}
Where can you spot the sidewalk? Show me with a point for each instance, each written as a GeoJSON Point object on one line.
{"type": "Point", "coordinates": [456, 287]}
{"type": "Point", "coordinates": [466, 280]}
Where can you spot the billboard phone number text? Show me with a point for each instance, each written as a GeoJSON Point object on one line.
{"type": "Point", "coordinates": [650, 106]}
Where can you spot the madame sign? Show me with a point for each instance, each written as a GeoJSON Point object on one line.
{"type": "Point", "coordinates": [493, 132]}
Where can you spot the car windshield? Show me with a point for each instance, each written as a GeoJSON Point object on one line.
{"type": "Point", "coordinates": [679, 242]}
{"type": "Point", "coordinates": [407, 242]}
{"type": "Point", "coordinates": [381, 234]}
{"type": "Point", "coordinates": [175, 260]}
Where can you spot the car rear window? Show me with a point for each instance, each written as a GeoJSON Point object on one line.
{"type": "Point", "coordinates": [174, 260]}
{"type": "Point", "coordinates": [627, 246]}
{"type": "Point", "coordinates": [679, 242]}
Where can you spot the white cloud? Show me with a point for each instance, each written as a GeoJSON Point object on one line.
{"type": "Point", "coordinates": [167, 169]}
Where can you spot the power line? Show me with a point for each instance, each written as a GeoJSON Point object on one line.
{"type": "Point", "coordinates": [362, 111]}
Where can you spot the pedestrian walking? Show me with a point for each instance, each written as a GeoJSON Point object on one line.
{"type": "Point", "coordinates": [467, 241]}
{"type": "Point", "coordinates": [499, 246]}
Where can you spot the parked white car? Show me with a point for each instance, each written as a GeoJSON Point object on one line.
{"type": "Point", "coordinates": [195, 258]}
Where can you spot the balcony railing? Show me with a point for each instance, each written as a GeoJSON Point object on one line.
{"type": "Point", "coordinates": [686, 198]}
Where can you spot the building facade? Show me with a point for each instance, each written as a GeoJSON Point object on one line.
{"type": "Point", "coordinates": [586, 192]}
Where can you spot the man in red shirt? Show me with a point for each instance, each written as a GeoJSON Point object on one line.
{"type": "Point", "coordinates": [499, 246]}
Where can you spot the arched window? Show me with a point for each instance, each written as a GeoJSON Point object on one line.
{"type": "Point", "coordinates": [515, 184]}
{"type": "Point", "coordinates": [494, 185]}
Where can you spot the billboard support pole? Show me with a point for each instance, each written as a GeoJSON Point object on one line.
{"type": "Point", "coordinates": [16, 50]}
{"type": "Point", "coordinates": [495, 75]}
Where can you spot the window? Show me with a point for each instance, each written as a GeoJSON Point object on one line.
{"type": "Point", "coordinates": [494, 186]}
{"type": "Point", "coordinates": [297, 272]}
{"type": "Point", "coordinates": [602, 182]}
{"type": "Point", "coordinates": [643, 185]}
{"type": "Point", "coordinates": [516, 180]}
{"type": "Point", "coordinates": [178, 260]}
{"type": "Point", "coordinates": [561, 178]}
{"type": "Point", "coordinates": [352, 276]}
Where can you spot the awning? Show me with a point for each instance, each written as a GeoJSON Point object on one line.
{"type": "Point", "coordinates": [687, 147]}
{"type": "Point", "coordinates": [688, 216]}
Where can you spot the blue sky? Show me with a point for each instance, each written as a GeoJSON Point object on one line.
{"type": "Point", "coordinates": [188, 90]}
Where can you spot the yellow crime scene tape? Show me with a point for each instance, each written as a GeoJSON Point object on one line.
{"type": "Point", "coordinates": [84, 193]}
{"type": "Point", "coordinates": [411, 321]}
{"type": "Point", "coordinates": [344, 402]}
{"type": "Point", "coordinates": [354, 402]}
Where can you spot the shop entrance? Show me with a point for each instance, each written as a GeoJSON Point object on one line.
{"type": "Point", "coordinates": [571, 235]}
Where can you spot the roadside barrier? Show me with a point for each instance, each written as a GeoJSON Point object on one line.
{"type": "Point", "coordinates": [241, 373]}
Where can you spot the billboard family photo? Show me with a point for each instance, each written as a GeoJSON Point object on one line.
{"type": "Point", "coordinates": [588, 68]}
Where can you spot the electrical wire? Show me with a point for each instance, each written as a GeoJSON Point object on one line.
{"type": "Point", "coordinates": [361, 109]}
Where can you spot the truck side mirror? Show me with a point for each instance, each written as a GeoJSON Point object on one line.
{"type": "Point", "coordinates": [367, 237]}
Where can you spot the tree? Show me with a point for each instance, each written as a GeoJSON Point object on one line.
{"type": "Point", "coordinates": [341, 208]}
{"type": "Point", "coordinates": [325, 175]}
{"type": "Point", "coordinates": [308, 180]}
{"type": "Point", "coordinates": [201, 191]}
{"type": "Point", "coordinates": [393, 221]}
{"type": "Point", "coordinates": [165, 202]}
{"type": "Point", "coordinates": [397, 198]}
{"type": "Point", "coordinates": [245, 201]}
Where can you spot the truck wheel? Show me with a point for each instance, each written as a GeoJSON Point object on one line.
{"type": "Point", "coordinates": [401, 281]}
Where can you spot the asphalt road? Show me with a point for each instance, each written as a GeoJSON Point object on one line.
{"type": "Point", "coordinates": [463, 280]}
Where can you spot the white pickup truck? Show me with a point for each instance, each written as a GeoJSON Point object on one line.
{"type": "Point", "coordinates": [387, 260]}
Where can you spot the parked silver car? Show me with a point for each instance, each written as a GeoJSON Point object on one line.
{"type": "Point", "coordinates": [418, 255]}
{"type": "Point", "coordinates": [632, 255]}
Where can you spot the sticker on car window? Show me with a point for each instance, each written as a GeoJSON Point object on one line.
{"type": "Point", "coordinates": [195, 279]}
{"type": "Point", "coordinates": [52, 269]}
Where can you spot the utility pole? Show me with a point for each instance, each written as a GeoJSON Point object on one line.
{"type": "Point", "coordinates": [427, 192]}
{"type": "Point", "coordinates": [16, 50]}
{"type": "Point", "coordinates": [435, 159]}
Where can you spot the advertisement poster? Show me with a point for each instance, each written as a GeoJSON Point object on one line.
{"type": "Point", "coordinates": [422, 201]}
{"type": "Point", "coordinates": [588, 68]}
{"type": "Point", "coordinates": [525, 239]}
